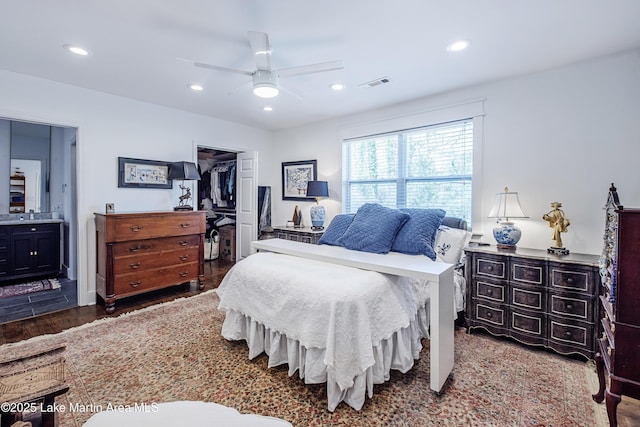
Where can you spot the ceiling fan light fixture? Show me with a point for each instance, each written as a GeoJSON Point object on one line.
{"type": "Point", "coordinates": [265, 90]}
{"type": "Point", "coordinates": [265, 84]}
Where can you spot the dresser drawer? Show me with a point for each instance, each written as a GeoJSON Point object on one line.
{"type": "Point", "coordinates": [494, 292]}
{"type": "Point", "coordinates": [150, 261]}
{"type": "Point", "coordinates": [141, 281]}
{"type": "Point", "coordinates": [567, 306]}
{"type": "Point", "coordinates": [136, 247]}
{"type": "Point", "coordinates": [529, 273]}
{"type": "Point", "coordinates": [495, 268]}
{"type": "Point", "coordinates": [529, 323]}
{"type": "Point", "coordinates": [492, 315]}
{"type": "Point", "coordinates": [528, 298]}
{"type": "Point", "coordinates": [570, 278]}
{"type": "Point", "coordinates": [124, 228]}
{"type": "Point", "coordinates": [565, 332]}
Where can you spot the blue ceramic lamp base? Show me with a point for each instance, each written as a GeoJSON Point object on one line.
{"type": "Point", "coordinates": [317, 217]}
{"type": "Point", "coordinates": [507, 235]}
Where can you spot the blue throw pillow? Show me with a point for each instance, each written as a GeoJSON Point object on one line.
{"type": "Point", "coordinates": [418, 235]}
{"type": "Point", "coordinates": [373, 229]}
{"type": "Point", "coordinates": [336, 229]}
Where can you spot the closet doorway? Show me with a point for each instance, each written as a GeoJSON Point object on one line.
{"type": "Point", "coordinates": [227, 191]}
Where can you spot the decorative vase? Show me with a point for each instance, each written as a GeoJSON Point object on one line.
{"type": "Point", "coordinates": [507, 235]}
{"type": "Point", "coordinates": [317, 216]}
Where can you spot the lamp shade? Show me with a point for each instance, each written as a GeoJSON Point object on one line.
{"type": "Point", "coordinates": [507, 205]}
{"type": "Point", "coordinates": [184, 170]}
{"type": "Point", "coordinates": [317, 189]}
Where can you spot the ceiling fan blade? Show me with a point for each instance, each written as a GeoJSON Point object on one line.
{"type": "Point", "coordinates": [311, 69]}
{"type": "Point", "coordinates": [219, 68]}
{"type": "Point", "coordinates": [261, 50]}
{"type": "Point", "coordinates": [295, 95]}
{"type": "Point", "coordinates": [246, 86]}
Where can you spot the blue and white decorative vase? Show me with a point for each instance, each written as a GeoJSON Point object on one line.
{"type": "Point", "coordinates": [317, 216]}
{"type": "Point", "coordinates": [507, 235]}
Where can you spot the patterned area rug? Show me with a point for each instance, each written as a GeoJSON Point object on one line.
{"type": "Point", "coordinates": [28, 288]}
{"type": "Point", "coordinates": [175, 351]}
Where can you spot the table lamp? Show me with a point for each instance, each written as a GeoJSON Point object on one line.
{"type": "Point", "coordinates": [317, 189]}
{"type": "Point", "coordinates": [186, 171]}
{"type": "Point", "coordinates": [505, 208]}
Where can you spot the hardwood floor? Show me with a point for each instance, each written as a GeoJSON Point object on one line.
{"type": "Point", "coordinates": [60, 320]}
{"type": "Point", "coordinates": [628, 410]}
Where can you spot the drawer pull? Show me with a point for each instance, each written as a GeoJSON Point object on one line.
{"type": "Point", "coordinates": [135, 248]}
{"type": "Point", "coordinates": [135, 284]}
{"type": "Point", "coordinates": [490, 268]}
{"type": "Point", "coordinates": [567, 333]}
{"type": "Point", "coordinates": [135, 228]}
{"type": "Point", "coordinates": [134, 266]}
{"type": "Point", "coordinates": [570, 280]}
{"type": "Point", "coordinates": [187, 225]}
{"type": "Point", "coordinates": [489, 291]}
{"type": "Point", "coordinates": [569, 306]}
{"type": "Point", "coordinates": [184, 274]}
{"type": "Point", "coordinates": [489, 315]}
{"type": "Point", "coordinates": [184, 258]}
{"type": "Point", "coordinates": [183, 243]}
{"type": "Point", "coordinates": [34, 229]}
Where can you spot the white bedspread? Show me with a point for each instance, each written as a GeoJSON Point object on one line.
{"type": "Point", "coordinates": [298, 310]}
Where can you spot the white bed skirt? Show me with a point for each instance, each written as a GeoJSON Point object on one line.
{"type": "Point", "coordinates": [396, 352]}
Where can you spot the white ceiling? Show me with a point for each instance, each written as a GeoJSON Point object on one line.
{"type": "Point", "coordinates": [135, 46]}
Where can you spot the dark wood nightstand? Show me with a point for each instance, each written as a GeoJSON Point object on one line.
{"type": "Point", "coordinates": [304, 234]}
{"type": "Point", "coordinates": [534, 297]}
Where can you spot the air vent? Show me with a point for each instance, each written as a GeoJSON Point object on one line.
{"type": "Point", "coordinates": [376, 82]}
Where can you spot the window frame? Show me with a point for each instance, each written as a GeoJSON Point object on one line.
{"type": "Point", "coordinates": [471, 110]}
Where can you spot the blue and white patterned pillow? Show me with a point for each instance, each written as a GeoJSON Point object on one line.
{"type": "Point", "coordinates": [417, 235]}
{"type": "Point", "coordinates": [373, 229]}
{"type": "Point", "coordinates": [450, 243]}
{"type": "Point", "coordinates": [335, 229]}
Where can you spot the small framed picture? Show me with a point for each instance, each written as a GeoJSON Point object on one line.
{"type": "Point", "coordinates": [110, 208]}
{"type": "Point", "coordinates": [295, 176]}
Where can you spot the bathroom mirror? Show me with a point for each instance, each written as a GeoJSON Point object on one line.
{"type": "Point", "coordinates": [27, 173]}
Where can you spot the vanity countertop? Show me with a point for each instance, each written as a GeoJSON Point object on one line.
{"type": "Point", "coordinates": [28, 221]}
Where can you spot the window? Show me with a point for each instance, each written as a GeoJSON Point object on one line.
{"type": "Point", "coordinates": [427, 167]}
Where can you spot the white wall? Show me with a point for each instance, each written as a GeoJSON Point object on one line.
{"type": "Point", "coordinates": [562, 135]}
{"type": "Point", "coordinates": [109, 127]}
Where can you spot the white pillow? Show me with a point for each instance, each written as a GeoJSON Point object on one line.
{"type": "Point", "coordinates": [450, 243]}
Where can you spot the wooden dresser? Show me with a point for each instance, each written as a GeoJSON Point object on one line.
{"type": "Point", "coordinates": [534, 297]}
{"type": "Point", "coordinates": [619, 346]}
{"type": "Point", "coordinates": [143, 251]}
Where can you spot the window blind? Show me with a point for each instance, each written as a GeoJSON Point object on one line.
{"type": "Point", "coordinates": [427, 167]}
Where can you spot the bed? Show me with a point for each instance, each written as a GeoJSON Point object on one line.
{"type": "Point", "coordinates": [346, 312]}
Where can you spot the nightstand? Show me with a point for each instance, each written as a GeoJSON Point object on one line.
{"type": "Point", "coordinates": [304, 234]}
{"type": "Point", "coordinates": [534, 297]}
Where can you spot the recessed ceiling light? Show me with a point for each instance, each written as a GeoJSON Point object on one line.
{"type": "Point", "coordinates": [337, 86]}
{"type": "Point", "coordinates": [76, 49]}
{"type": "Point", "coordinates": [195, 87]}
{"type": "Point", "coordinates": [267, 108]}
{"type": "Point", "coordinates": [458, 45]}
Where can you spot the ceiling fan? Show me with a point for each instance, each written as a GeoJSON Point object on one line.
{"type": "Point", "coordinates": [265, 79]}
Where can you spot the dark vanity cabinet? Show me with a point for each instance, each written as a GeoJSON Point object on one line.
{"type": "Point", "coordinates": [29, 250]}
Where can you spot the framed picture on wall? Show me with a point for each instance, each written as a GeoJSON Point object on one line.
{"type": "Point", "coordinates": [139, 173]}
{"type": "Point", "coordinates": [295, 176]}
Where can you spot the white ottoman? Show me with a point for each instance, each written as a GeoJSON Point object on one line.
{"type": "Point", "coordinates": [182, 413]}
